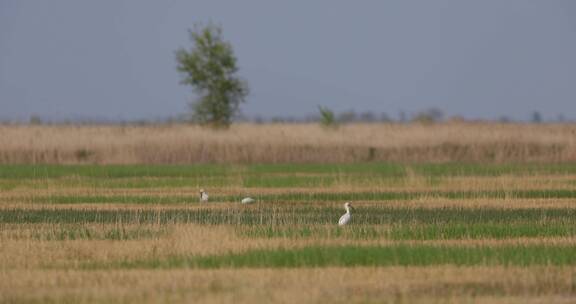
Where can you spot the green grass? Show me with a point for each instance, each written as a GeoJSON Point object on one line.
{"type": "Point", "coordinates": [301, 197]}
{"type": "Point", "coordinates": [155, 182]}
{"type": "Point", "coordinates": [83, 232]}
{"type": "Point", "coordinates": [111, 171]}
{"type": "Point", "coordinates": [527, 229]}
{"type": "Point", "coordinates": [273, 176]}
{"type": "Point", "coordinates": [447, 231]}
{"type": "Point", "coordinates": [380, 169]}
{"type": "Point", "coordinates": [467, 169]}
{"type": "Point", "coordinates": [118, 183]}
{"type": "Point", "coordinates": [114, 199]}
{"type": "Point", "coordinates": [389, 170]}
{"type": "Point", "coordinates": [350, 256]}
{"type": "Point", "coordinates": [288, 181]}
{"type": "Point", "coordinates": [391, 195]}
{"type": "Point", "coordinates": [293, 215]}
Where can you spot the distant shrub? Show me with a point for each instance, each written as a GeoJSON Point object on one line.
{"type": "Point", "coordinates": [327, 117]}
{"type": "Point", "coordinates": [429, 116]}
{"type": "Point", "coordinates": [35, 120]}
{"type": "Point", "coordinates": [83, 154]}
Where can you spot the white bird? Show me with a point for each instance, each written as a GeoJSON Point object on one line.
{"type": "Point", "coordinates": [345, 219]}
{"type": "Point", "coordinates": [203, 196]}
{"type": "Point", "coordinates": [248, 200]}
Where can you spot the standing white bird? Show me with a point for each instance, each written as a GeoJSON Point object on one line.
{"type": "Point", "coordinates": [203, 196]}
{"type": "Point", "coordinates": [247, 200]}
{"type": "Point", "coordinates": [345, 219]}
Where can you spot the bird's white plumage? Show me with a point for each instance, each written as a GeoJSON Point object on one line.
{"type": "Point", "coordinates": [345, 219]}
{"type": "Point", "coordinates": [248, 200]}
{"type": "Point", "coordinates": [203, 196]}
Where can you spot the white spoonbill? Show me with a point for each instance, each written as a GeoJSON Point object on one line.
{"type": "Point", "coordinates": [247, 200]}
{"type": "Point", "coordinates": [203, 196]}
{"type": "Point", "coordinates": [345, 219]}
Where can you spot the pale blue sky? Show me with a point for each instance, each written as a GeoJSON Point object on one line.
{"type": "Point", "coordinates": [115, 59]}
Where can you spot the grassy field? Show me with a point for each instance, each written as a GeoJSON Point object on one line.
{"type": "Point", "coordinates": [288, 143]}
{"type": "Point", "coordinates": [420, 233]}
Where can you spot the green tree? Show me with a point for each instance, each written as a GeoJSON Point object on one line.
{"type": "Point", "coordinates": [210, 68]}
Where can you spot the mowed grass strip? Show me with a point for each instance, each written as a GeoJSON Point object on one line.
{"type": "Point", "coordinates": [302, 197]}
{"type": "Point", "coordinates": [123, 171]}
{"type": "Point", "coordinates": [82, 232]}
{"type": "Point", "coordinates": [113, 199]}
{"type": "Point", "coordinates": [484, 169]}
{"type": "Point", "coordinates": [112, 171]}
{"type": "Point", "coordinates": [292, 215]}
{"type": "Point", "coordinates": [423, 169]}
{"type": "Point", "coordinates": [259, 175]}
{"type": "Point", "coordinates": [405, 195]}
{"type": "Point", "coordinates": [287, 181]}
{"type": "Point", "coordinates": [391, 170]}
{"type": "Point", "coordinates": [350, 256]}
{"type": "Point", "coordinates": [379, 169]}
{"type": "Point", "coordinates": [446, 231]}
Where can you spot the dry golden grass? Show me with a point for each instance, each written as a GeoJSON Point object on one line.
{"type": "Point", "coordinates": [444, 284]}
{"type": "Point", "coordinates": [19, 251]}
{"type": "Point", "coordinates": [280, 143]}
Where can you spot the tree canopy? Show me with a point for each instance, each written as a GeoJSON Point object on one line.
{"type": "Point", "coordinates": [210, 68]}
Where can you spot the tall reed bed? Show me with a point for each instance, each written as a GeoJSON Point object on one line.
{"type": "Point", "coordinates": [288, 143]}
